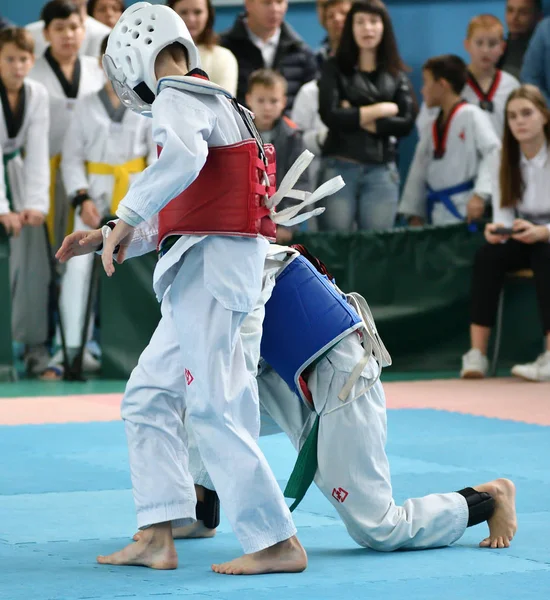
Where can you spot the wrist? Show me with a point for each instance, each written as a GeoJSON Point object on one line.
{"type": "Point", "coordinates": [79, 198]}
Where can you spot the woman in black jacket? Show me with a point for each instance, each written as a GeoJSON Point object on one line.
{"type": "Point", "coordinates": [367, 102]}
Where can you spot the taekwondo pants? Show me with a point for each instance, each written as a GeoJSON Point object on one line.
{"type": "Point", "coordinates": [194, 368]}
{"type": "Point", "coordinates": [75, 290]}
{"type": "Point", "coordinates": [353, 471]}
{"type": "Point", "coordinates": [30, 279]}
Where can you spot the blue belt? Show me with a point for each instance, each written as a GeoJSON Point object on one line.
{"type": "Point", "coordinates": [444, 197]}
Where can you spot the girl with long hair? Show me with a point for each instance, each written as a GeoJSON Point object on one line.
{"type": "Point", "coordinates": [367, 102]}
{"type": "Point", "coordinates": [519, 236]}
{"type": "Point", "coordinates": [218, 62]}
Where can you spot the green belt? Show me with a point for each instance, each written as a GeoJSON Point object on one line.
{"type": "Point", "coordinates": [305, 468]}
{"type": "Point", "coordinates": [6, 159]}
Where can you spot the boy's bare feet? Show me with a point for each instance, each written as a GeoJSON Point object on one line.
{"type": "Point", "coordinates": [285, 557]}
{"type": "Point", "coordinates": [503, 524]}
{"type": "Point", "coordinates": [154, 548]}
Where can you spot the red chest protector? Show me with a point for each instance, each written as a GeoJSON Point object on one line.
{"type": "Point", "coordinates": [227, 198]}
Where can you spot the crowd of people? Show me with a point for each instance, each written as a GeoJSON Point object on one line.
{"type": "Point", "coordinates": [71, 149]}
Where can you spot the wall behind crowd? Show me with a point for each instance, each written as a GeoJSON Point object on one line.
{"type": "Point", "coordinates": [424, 28]}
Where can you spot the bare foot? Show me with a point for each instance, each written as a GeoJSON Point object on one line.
{"type": "Point", "coordinates": [503, 524]}
{"type": "Point", "coordinates": [285, 557]}
{"type": "Point", "coordinates": [154, 548]}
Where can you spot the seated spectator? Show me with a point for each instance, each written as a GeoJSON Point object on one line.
{"type": "Point", "coordinates": [94, 32]}
{"type": "Point", "coordinates": [521, 204]}
{"type": "Point", "coordinates": [24, 197]}
{"type": "Point", "coordinates": [261, 39]}
{"type": "Point", "coordinates": [305, 112]}
{"type": "Point", "coordinates": [106, 11]}
{"type": "Point", "coordinates": [332, 16]}
{"type": "Point", "coordinates": [522, 17]}
{"type": "Point", "coordinates": [218, 62]}
{"type": "Point", "coordinates": [449, 178]}
{"type": "Point", "coordinates": [366, 101]}
{"type": "Point", "coordinates": [486, 86]}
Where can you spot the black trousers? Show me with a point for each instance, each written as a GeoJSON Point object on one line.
{"type": "Point", "coordinates": [492, 262]}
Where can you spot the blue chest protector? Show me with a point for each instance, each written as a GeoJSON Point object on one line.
{"type": "Point", "coordinates": [304, 318]}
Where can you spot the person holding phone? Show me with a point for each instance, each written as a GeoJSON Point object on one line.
{"type": "Point", "coordinates": [519, 236]}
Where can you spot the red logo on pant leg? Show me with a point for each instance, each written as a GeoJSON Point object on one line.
{"type": "Point", "coordinates": [188, 377]}
{"type": "Point", "coordinates": [339, 494]}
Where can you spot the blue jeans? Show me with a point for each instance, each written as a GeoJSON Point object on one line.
{"type": "Point", "coordinates": [370, 196]}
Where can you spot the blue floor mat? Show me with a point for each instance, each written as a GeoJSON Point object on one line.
{"type": "Point", "coordinates": [65, 497]}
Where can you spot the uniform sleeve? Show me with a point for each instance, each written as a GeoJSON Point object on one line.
{"type": "Point", "coordinates": [183, 155]}
{"type": "Point", "coordinates": [332, 114]}
{"type": "Point", "coordinates": [534, 69]}
{"type": "Point", "coordinates": [488, 148]}
{"type": "Point", "coordinates": [307, 119]}
{"type": "Point", "coordinates": [73, 161]}
{"type": "Point", "coordinates": [145, 238]}
{"type": "Point", "coordinates": [403, 123]}
{"type": "Point", "coordinates": [37, 156]}
{"type": "Point", "coordinates": [500, 215]}
{"type": "Point", "coordinates": [413, 198]}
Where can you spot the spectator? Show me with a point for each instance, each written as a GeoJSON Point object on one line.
{"type": "Point", "coordinates": [261, 39]}
{"type": "Point", "coordinates": [522, 204]}
{"type": "Point", "coordinates": [522, 17]}
{"type": "Point", "coordinates": [456, 159]}
{"type": "Point", "coordinates": [536, 62]}
{"type": "Point", "coordinates": [266, 97]}
{"type": "Point", "coordinates": [486, 86]}
{"type": "Point", "coordinates": [94, 32]}
{"type": "Point", "coordinates": [218, 62]}
{"type": "Point", "coordinates": [332, 16]}
{"type": "Point", "coordinates": [67, 76]}
{"type": "Point", "coordinates": [24, 199]}
{"type": "Point", "coordinates": [366, 101]}
{"type": "Point", "coordinates": [106, 146]}
{"type": "Point", "coordinates": [106, 11]}
{"type": "Point", "coordinates": [305, 112]}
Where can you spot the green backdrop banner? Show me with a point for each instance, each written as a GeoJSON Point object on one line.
{"type": "Point", "coordinates": [6, 354]}
{"type": "Point", "coordinates": [417, 282]}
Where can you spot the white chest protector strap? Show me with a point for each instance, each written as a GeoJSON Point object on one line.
{"type": "Point", "coordinates": [289, 216]}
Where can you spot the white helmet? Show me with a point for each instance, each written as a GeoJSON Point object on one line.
{"type": "Point", "coordinates": [142, 31]}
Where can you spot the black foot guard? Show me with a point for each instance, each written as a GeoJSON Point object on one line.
{"type": "Point", "coordinates": [208, 511]}
{"type": "Point", "coordinates": [481, 505]}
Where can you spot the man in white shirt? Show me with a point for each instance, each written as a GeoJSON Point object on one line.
{"type": "Point", "coordinates": [261, 38]}
{"type": "Point", "coordinates": [95, 32]}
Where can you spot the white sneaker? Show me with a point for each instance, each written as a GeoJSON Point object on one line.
{"type": "Point", "coordinates": [474, 365]}
{"type": "Point", "coordinates": [535, 371]}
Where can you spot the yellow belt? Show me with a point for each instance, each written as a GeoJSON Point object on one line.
{"type": "Point", "coordinates": [121, 173]}
{"type": "Point", "coordinates": [55, 162]}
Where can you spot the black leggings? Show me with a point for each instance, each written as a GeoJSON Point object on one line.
{"type": "Point", "coordinates": [491, 264]}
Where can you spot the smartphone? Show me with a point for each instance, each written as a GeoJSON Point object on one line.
{"type": "Point", "coordinates": [505, 231]}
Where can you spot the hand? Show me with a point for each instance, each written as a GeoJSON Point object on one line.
{"type": "Point", "coordinates": [529, 233]}
{"type": "Point", "coordinates": [89, 214]}
{"type": "Point", "coordinates": [32, 217]}
{"type": "Point", "coordinates": [78, 244]}
{"type": "Point", "coordinates": [121, 233]}
{"type": "Point", "coordinates": [12, 223]}
{"type": "Point", "coordinates": [345, 104]}
{"type": "Point", "coordinates": [475, 208]}
{"type": "Point", "coordinates": [388, 109]}
{"type": "Point", "coordinates": [416, 222]}
{"type": "Point", "coordinates": [370, 127]}
{"type": "Point", "coordinates": [493, 238]}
